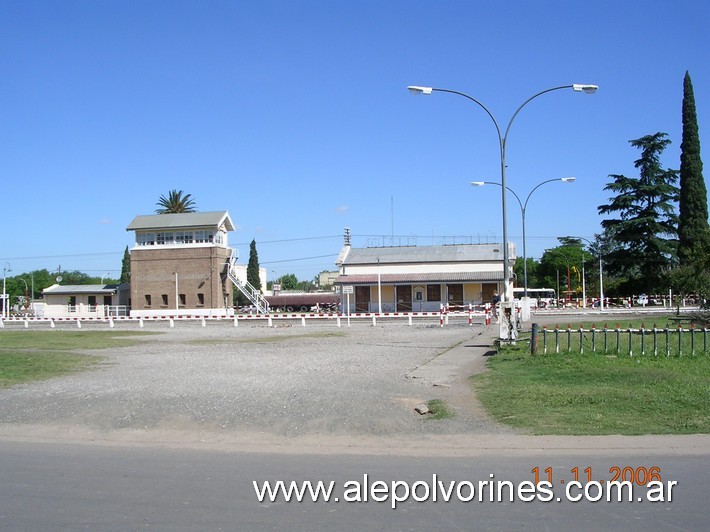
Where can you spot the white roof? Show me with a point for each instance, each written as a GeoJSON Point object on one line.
{"type": "Point", "coordinates": [185, 220]}
{"type": "Point", "coordinates": [425, 254]}
{"type": "Point", "coordinates": [80, 289]}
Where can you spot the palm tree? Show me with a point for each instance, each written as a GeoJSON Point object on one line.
{"type": "Point", "coordinates": [176, 202]}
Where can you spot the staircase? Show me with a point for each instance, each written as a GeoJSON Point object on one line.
{"type": "Point", "coordinates": [251, 293]}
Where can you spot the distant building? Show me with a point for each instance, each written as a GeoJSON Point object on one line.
{"type": "Point", "coordinates": [421, 279]}
{"type": "Point", "coordinates": [327, 278]}
{"type": "Point", "coordinates": [81, 301]}
{"type": "Point", "coordinates": [180, 264]}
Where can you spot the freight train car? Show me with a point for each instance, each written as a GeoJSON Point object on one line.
{"type": "Point", "coordinates": [311, 301]}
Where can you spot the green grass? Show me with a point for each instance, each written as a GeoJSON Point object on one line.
{"type": "Point", "coordinates": [18, 368]}
{"type": "Point", "coordinates": [52, 340]}
{"type": "Point", "coordinates": [439, 409]}
{"type": "Point", "coordinates": [596, 393]}
{"type": "Point", "coordinates": [37, 355]}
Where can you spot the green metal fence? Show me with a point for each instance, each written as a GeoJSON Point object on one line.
{"type": "Point", "coordinates": [668, 341]}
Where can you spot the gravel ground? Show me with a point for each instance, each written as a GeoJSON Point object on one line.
{"type": "Point", "coordinates": [286, 380]}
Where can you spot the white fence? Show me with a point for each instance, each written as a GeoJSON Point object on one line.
{"type": "Point", "coordinates": [442, 318]}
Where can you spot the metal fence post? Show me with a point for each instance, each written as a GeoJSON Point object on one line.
{"type": "Point", "coordinates": [668, 347]}
{"type": "Point", "coordinates": [544, 339]}
{"type": "Point", "coordinates": [581, 339]}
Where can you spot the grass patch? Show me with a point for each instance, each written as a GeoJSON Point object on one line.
{"type": "Point", "coordinates": [439, 409]}
{"type": "Point", "coordinates": [37, 355]}
{"type": "Point", "coordinates": [60, 340]}
{"type": "Point", "coordinates": [18, 368]}
{"type": "Point", "coordinates": [597, 393]}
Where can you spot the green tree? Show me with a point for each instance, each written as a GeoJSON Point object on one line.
{"type": "Point", "coordinates": [253, 277]}
{"type": "Point", "coordinates": [77, 277]}
{"type": "Point", "coordinates": [693, 230]}
{"type": "Point", "coordinates": [175, 202]}
{"type": "Point", "coordinates": [564, 263]}
{"type": "Point", "coordinates": [645, 230]}
{"type": "Point", "coordinates": [519, 270]}
{"type": "Point", "coordinates": [125, 267]}
{"type": "Point", "coordinates": [41, 279]}
{"type": "Point", "coordinates": [289, 282]}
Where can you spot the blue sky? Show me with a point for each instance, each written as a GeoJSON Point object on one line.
{"type": "Point", "coordinates": [294, 116]}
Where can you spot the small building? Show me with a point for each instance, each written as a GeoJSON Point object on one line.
{"type": "Point", "coordinates": [421, 279]}
{"type": "Point", "coordinates": [81, 301]}
{"type": "Point", "coordinates": [180, 264]}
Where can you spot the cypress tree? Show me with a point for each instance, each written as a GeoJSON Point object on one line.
{"type": "Point", "coordinates": [693, 230]}
{"type": "Point", "coordinates": [126, 267]}
{"type": "Point", "coordinates": [253, 277]}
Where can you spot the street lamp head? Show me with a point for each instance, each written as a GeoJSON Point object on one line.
{"type": "Point", "coordinates": [581, 87]}
{"type": "Point", "coordinates": [415, 89]}
{"type": "Point", "coordinates": [478, 183]}
{"type": "Point", "coordinates": [568, 179]}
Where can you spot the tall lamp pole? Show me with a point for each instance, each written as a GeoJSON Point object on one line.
{"type": "Point", "coordinates": [5, 269]}
{"type": "Point", "coordinates": [502, 141]}
{"type": "Point", "coordinates": [601, 277]}
{"type": "Point", "coordinates": [523, 208]}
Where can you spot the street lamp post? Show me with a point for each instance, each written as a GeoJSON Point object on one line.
{"type": "Point", "coordinates": [601, 277]}
{"type": "Point", "coordinates": [502, 141]}
{"type": "Point", "coordinates": [5, 269]}
{"type": "Point", "coordinates": [523, 209]}
{"type": "Point", "coordinates": [27, 289]}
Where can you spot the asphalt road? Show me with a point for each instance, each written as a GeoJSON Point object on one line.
{"type": "Point", "coordinates": [73, 487]}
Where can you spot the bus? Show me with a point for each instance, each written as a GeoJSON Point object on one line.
{"type": "Point", "coordinates": [539, 297]}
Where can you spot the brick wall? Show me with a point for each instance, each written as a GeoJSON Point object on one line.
{"type": "Point", "coordinates": [201, 277]}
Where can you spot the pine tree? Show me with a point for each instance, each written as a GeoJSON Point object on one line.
{"type": "Point", "coordinates": [646, 230]}
{"type": "Point", "coordinates": [693, 230]}
{"type": "Point", "coordinates": [126, 267]}
{"type": "Point", "coordinates": [253, 277]}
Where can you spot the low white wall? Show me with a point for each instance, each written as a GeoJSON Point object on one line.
{"type": "Point", "coordinates": [193, 312]}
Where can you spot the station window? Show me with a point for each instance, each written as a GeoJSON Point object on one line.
{"type": "Point", "coordinates": [433, 292]}
{"type": "Point", "coordinates": [147, 300]}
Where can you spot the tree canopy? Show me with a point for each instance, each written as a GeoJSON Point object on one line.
{"type": "Point", "coordinates": [253, 277]}
{"type": "Point", "coordinates": [175, 202]}
{"type": "Point", "coordinates": [644, 231]}
{"type": "Point", "coordinates": [693, 230]}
